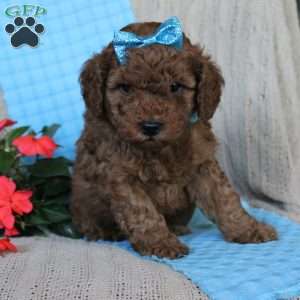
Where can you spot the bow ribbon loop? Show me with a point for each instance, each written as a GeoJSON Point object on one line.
{"type": "Point", "coordinates": [168, 33]}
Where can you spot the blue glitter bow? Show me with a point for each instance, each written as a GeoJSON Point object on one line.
{"type": "Point", "coordinates": [168, 33]}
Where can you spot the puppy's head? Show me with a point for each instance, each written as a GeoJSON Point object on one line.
{"type": "Point", "coordinates": [150, 99]}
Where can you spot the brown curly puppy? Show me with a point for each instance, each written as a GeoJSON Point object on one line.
{"type": "Point", "coordinates": [142, 167]}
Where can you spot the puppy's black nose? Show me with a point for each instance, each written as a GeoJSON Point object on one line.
{"type": "Point", "coordinates": [150, 128]}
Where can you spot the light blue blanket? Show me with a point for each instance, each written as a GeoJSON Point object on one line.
{"type": "Point", "coordinates": [229, 271]}
{"type": "Point", "coordinates": [41, 84]}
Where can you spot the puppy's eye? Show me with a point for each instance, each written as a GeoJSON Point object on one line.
{"type": "Point", "coordinates": [175, 87]}
{"type": "Point", "coordinates": [124, 88]}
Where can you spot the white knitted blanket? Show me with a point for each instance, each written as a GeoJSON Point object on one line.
{"type": "Point", "coordinates": [58, 268]}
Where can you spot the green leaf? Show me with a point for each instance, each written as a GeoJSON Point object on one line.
{"type": "Point", "coordinates": [7, 160]}
{"type": "Point", "coordinates": [50, 130]}
{"type": "Point", "coordinates": [59, 200]}
{"type": "Point", "coordinates": [31, 132]}
{"type": "Point", "coordinates": [56, 186]}
{"type": "Point", "coordinates": [36, 218]}
{"type": "Point", "coordinates": [43, 229]}
{"type": "Point", "coordinates": [66, 229]}
{"type": "Point", "coordinates": [56, 214]}
{"type": "Point", "coordinates": [37, 180]}
{"type": "Point", "coordinates": [69, 162]}
{"type": "Point", "coordinates": [33, 230]}
{"type": "Point", "coordinates": [22, 225]}
{"type": "Point", "coordinates": [50, 167]}
{"type": "Point", "coordinates": [15, 133]}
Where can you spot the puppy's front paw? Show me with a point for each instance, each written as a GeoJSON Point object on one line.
{"type": "Point", "coordinates": [169, 248]}
{"type": "Point", "coordinates": [257, 233]}
{"type": "Point", "coordinates": [263, 233]}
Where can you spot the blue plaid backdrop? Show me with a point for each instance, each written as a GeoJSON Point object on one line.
{"type": "Point", "coordinates": [40, 84]}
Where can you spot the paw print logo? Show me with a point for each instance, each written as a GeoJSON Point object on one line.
{"type": "Point", "coordinates": [24, 32]}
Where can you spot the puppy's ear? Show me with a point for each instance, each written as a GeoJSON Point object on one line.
{"type": "Point", "coordinates": [93, 81]}
{"type": "Point", "coordinates": [209, 84]}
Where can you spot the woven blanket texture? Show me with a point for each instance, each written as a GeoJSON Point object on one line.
{"type": "Point", "coordinates": [57, 268]}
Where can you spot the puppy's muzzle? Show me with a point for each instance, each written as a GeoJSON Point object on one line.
{"type": "Point", "coordinates": [150, 128]}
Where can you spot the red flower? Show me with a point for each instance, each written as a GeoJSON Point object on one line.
{"type": "Point", "coordinates": [6, 245]}
{"type": "Point", "coordinates": [12, 201]}
{"type": "Point", "coordinates": [7, 219]}
{"type": "Point", "coordinates": [6, 122]}
{"type": "Point", "coordinates": [30, 145]}
{"type": "Point", "coordinates": [11, 232]}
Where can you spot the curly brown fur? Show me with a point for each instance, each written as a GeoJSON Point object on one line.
{"type": "Point", "coordinates": [127, 185]}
